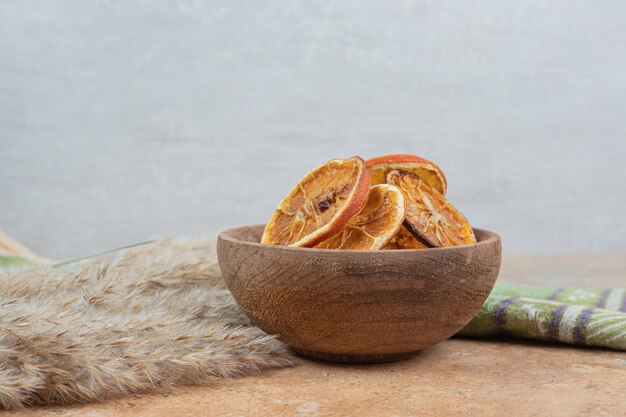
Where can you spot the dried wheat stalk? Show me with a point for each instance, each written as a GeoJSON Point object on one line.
{"type": "Point", "coordinates": [8, 245]}
{"type": "Point", "coordinates": [157, 318]}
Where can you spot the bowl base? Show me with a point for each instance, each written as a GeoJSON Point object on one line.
{"type": "Point", "coordinates": [354, 358]}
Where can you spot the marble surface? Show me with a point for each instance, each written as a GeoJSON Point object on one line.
{"type": "Point", "coordinates": [124, 120]}
{"type": "Point", "coordinates": [460, 377]}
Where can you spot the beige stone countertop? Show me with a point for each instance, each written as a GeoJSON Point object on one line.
{"type": "Point", "coordinates": [459, 377]}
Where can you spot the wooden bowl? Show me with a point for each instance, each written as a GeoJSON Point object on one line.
{"type": "Point", "coordinates": [358, 306]}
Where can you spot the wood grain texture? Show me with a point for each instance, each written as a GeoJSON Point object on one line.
{"type": "Point", "coordinates": [358, 306]}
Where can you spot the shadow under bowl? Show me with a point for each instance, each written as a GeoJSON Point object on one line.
{"type": "Point", "coordinates": [358, 306]}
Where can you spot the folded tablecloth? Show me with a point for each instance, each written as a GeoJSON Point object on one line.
{"type": "Point", "coordinates": [581, 316]}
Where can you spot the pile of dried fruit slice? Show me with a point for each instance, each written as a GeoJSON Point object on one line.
{"type": "Point", "coordinates": [334, 207]}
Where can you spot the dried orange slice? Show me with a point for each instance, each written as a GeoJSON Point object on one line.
{"type": "Point", "coordinates": [379, 168]}
{"type": "Point", "coordinates": [320, 205]}
{"type": "Point", "coordinates": [429, 216]}
{"type": "Point", "coordinates": [375, 225]}
{"type": "Point", "coordinates": [404, 240]}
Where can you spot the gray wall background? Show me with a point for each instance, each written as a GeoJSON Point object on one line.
{"type": "Point", "coordinates": [124, 120]}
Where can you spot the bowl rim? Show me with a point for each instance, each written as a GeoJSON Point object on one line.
{"type": "Point", "coordinates": [490, 237]}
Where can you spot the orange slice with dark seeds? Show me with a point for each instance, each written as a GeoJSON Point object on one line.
{"type": "Point", "coordinates": [429, 216]}
{"type": "Point", "coordinates": [404, 240]}
{"type": "Point", "coordinates": [320, 205]}
{"type": "Point", "coordinates": [376, 224]}
{"type": "Point", "coordinates": [428, 171]}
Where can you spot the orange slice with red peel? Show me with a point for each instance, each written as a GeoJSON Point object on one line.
{"type": "Point", "coordinates": [429, 216]}
{"type": "Point", "coordinates": [404, 240]}
{"type": "Point", "coordinates": [320, 205]}
{"type": "Point", "coordinates": [376, 224]}
{"type": "Point", "coordinates": [380, 166]}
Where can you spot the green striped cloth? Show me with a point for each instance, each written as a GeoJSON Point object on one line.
{"type": "Point", "coordinates": [580, 316]}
